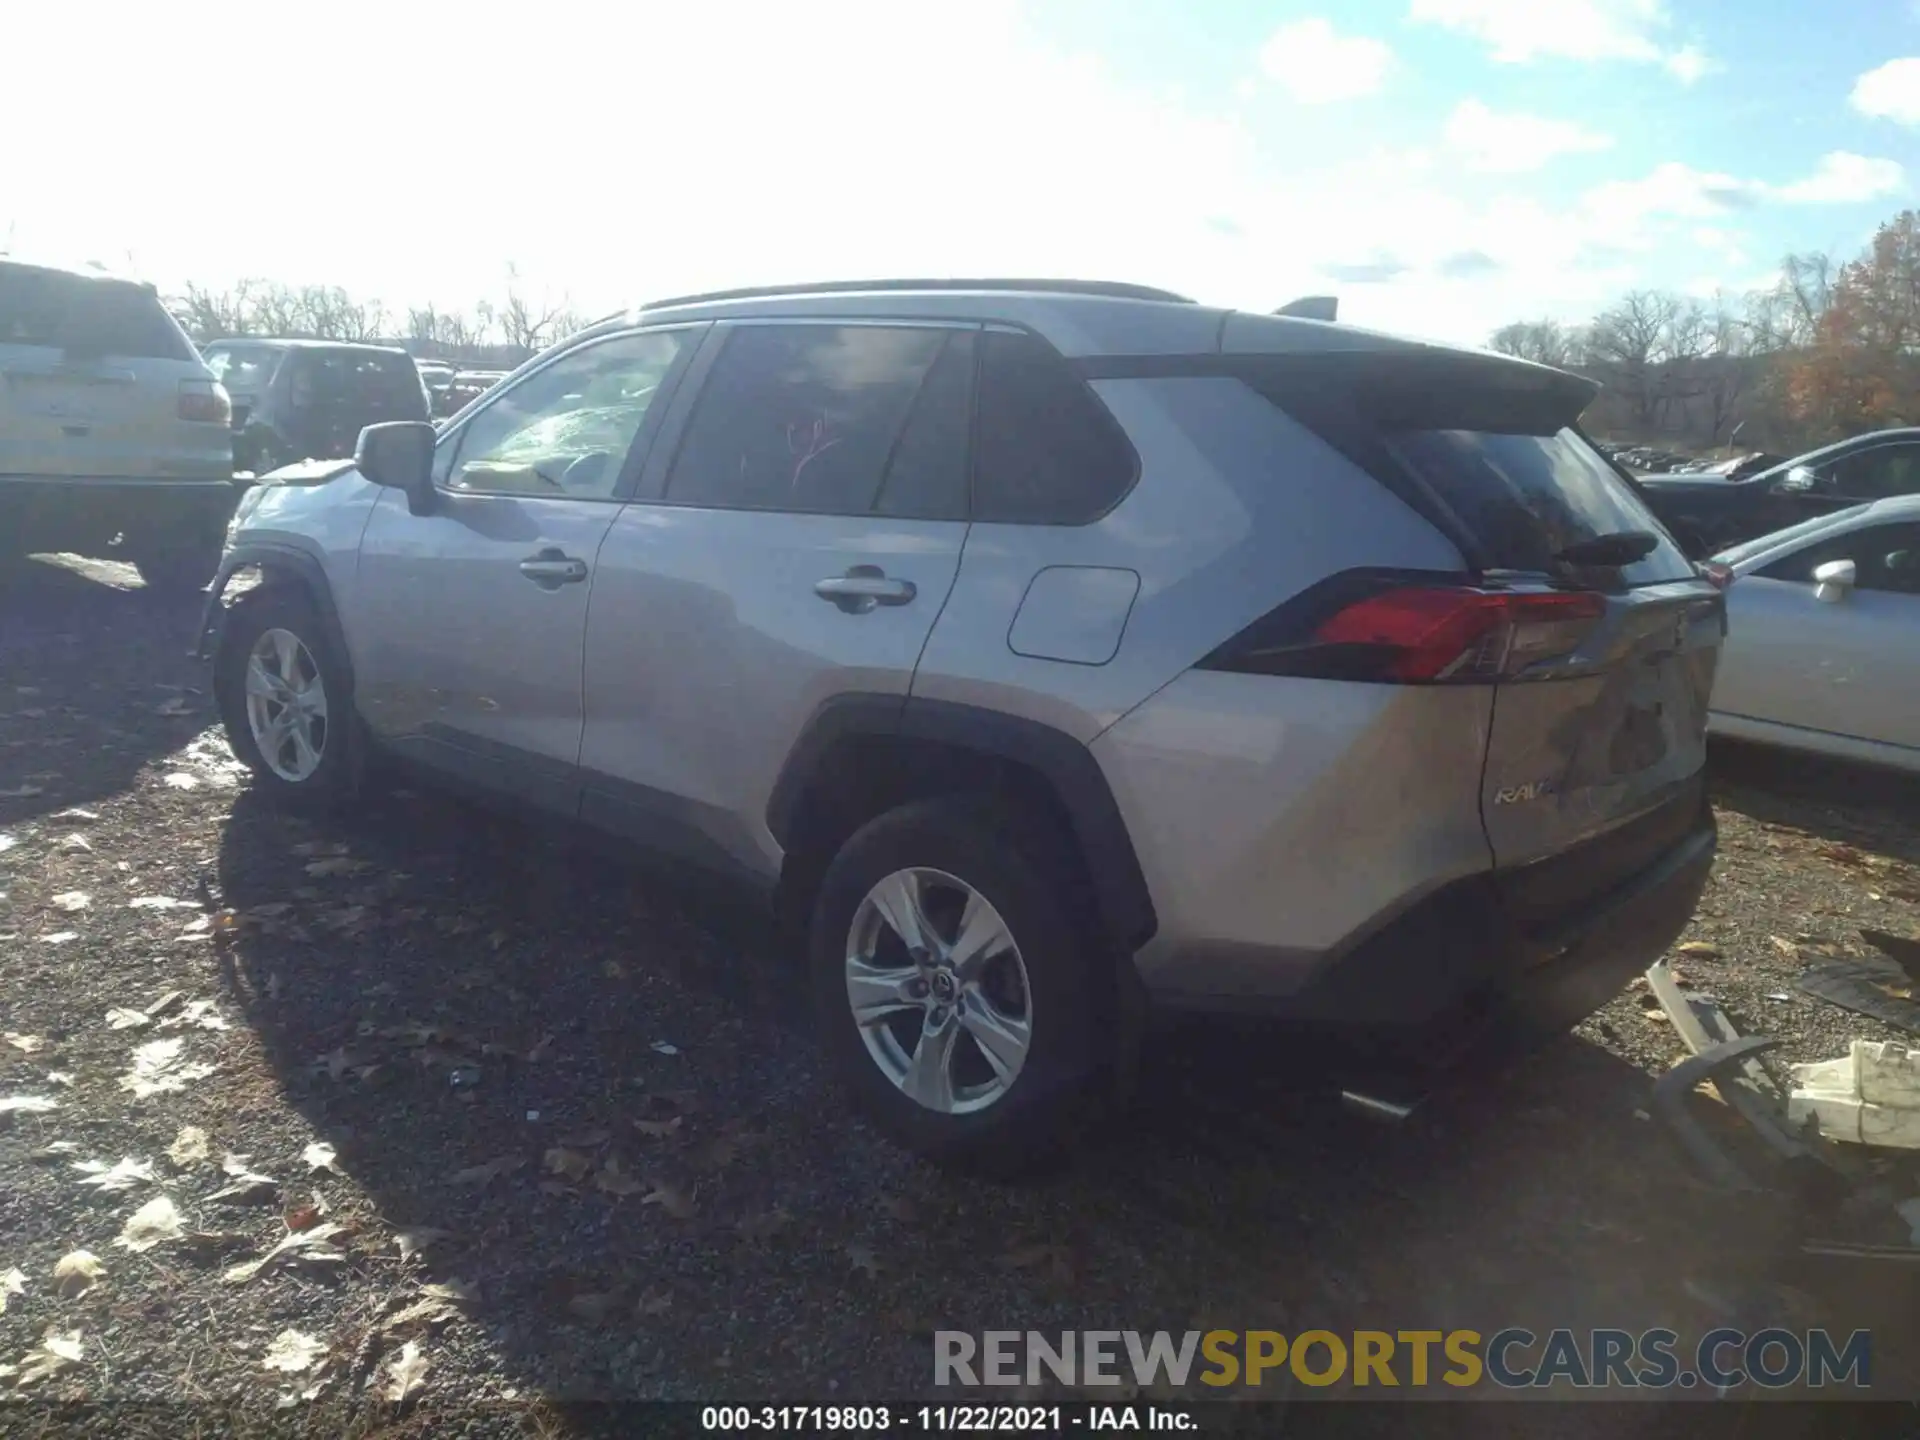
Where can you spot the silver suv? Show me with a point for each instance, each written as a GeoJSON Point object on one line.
{"type": "Point", "coordinates": [1049, 652]}
{"type": "Point", "coordinates": [111, 427]}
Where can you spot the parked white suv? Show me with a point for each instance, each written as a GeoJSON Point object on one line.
{"type": "Point", "coordinates": [111, 427]}
{"type": "Point", "coordinates": [1044, 649]}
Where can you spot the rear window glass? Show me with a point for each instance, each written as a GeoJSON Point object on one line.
{"type": "Point", "coordinates": [87, 317]}
{"type": "Point", "coordinates": [1526, 498]}
{"type": "Point", "coordinates": [243, 368]}
{"type": "Point", "coordinates": [384, 384]}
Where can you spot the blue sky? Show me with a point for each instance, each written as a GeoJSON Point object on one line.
{"type": "Point", "coordinates": [1442, 165]}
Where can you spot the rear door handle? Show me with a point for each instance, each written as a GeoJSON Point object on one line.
{"type": "Point", "coordinates": [552, 568]}
{"type": "Point", "coordinates": [862, 588]}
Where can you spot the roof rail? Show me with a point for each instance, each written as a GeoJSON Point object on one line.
{"type": "Point", "coordinates": [1312, 307]}
{"type": "Point", "coordinates": [1113, 290]}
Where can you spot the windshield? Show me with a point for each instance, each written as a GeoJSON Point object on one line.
{"type": "Point", "coordinates": [1750, 548]}
{"type": "Point", "coordinates": [1526, 498]}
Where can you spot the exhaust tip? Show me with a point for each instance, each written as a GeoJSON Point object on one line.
{"type": "Point", "coordinates": [1376, 1107]}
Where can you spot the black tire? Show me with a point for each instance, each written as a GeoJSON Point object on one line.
{"type": "Point", "coordinates": [279, 608]}
{"type": "Point", "coordinates": [1017, 862]}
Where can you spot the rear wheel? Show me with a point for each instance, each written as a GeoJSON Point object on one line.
{"type": "Point", "coordinates": [283, 699]}
{"type": "Point", "coordinates": [959, 984]}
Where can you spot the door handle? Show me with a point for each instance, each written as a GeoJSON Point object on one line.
{"type": "Point", "coordinates": [862, 588]}
{"type": "Point", "coordinates": [552, 568]}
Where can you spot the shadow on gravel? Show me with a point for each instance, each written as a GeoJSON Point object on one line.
{"type": "Point", "coordinates": [85, 641]}
{"type": "Point", "coordinates": [481, 1017]}
{"type": "Point", "coordinates": [1835, 799]}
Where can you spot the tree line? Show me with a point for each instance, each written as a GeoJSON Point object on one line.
{"type": "Point", "coordinates": [1826, 351]}
{"type": "Point", "coordinates": [508, 329]}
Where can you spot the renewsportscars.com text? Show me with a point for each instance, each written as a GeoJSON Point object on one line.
{"type": "Point", "coordinates": [1513, 1358]}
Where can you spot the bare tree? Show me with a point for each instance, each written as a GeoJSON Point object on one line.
{"type": "Point", "coordinates": [216, 314]}
{"type": "Point", "coordinates": [1626, 342]}
{"type": "Point", "coordinates": [1547, 342]}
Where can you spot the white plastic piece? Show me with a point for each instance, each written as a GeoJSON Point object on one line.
{"type": "Point", "coordinates": [1870, 1097]}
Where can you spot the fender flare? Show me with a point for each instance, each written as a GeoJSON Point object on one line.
{"type": "Point", "coordinates": [271, 557]}
{"type": "Point", "coordinates": [1066, 765]}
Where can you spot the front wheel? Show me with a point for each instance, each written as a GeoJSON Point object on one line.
{"type": "Point", "coordinates": [283, 698]}
{"type": "Point", "coordinates": [958, 982]}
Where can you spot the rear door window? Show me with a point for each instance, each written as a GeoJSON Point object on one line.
{"type": "Point", "coordinates": [1527, 498]}
{"type": "Point", "coordinates": [243, 369]}
{"type": "Point", "coordinates": [1046, 450]}
{"type": "Point", "coordinates": [87, 317]}
{"type": "Point", "coordinates": [808, 418]}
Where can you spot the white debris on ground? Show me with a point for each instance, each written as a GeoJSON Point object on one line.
{"type": "Point", "coordinates": [1870, 1096]}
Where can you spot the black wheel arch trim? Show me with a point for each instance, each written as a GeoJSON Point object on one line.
{"type": "Point", "coordinates": [270, 556]}
{"type": "Point", "coordinates": [1064, 763]}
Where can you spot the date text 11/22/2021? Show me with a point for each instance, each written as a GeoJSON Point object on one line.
{"type": "Point", "coordinates": [938, 1419]}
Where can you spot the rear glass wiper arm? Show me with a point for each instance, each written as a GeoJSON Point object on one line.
{"type": "Point", "coordinates": [1621, 548]}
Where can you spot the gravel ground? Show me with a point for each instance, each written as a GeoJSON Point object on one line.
{"type": "Point", "coordinates": [552, 1128]}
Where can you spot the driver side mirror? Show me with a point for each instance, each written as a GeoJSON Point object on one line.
{"type": "Point", "coordinates": [398, 454]}
{"type": "Point", "coordinates": [1800, 480]}
{"type": "Point", "coordinates": [1834, 581]}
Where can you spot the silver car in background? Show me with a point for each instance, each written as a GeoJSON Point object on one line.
{"type": "Point", "coordinates": [1823, 644]}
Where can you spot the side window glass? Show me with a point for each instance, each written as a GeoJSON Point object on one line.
{"type": "Point", "coordinates": [928, 477]}
{"type": "Point", "coordinates": [802, 418]}
{"type": "Point", "coordinates": [1885, 557]}
{"type": "Point", "coordinates": [564, 431]}
{"type": "Point", "coordinates": [1046, 450]}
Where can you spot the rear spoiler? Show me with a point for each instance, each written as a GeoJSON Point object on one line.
{"type": "Point", "coordinates": [1312, 307]}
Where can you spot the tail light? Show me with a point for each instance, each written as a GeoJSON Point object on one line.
{"type": "Point", "coordinates": [1720, 575]}
{"type": "Point", "coordinates": [1416, 634]}
{"type": "Point", "coordinates": [205, 401]}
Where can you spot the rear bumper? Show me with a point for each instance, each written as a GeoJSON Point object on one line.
{"type": "Point", "coordinates": [1463, 960]}
{"type": "Point", "coordinates": [42, 513]}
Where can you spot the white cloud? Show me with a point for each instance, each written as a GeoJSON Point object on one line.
{"type": "Point", "coordinates": [1316, 65]}
{"type": "Point", "coordinates": [1512, 143]}
{"type": "Point", "coordinates": [1689, 63]}
{"type": "Point", "coordinates": [1519, 31]}
{"type": "Point", "coordinates": [1669, 191]}
{"type": "Point", "coordinates": [1843, 178]}
{"type": "Point", "coordinates": [1891, 92]}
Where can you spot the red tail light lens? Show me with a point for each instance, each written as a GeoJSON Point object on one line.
{"type": "Point", "coordinates": [205, 401]}
{"type": "Point", "coordinates": [1370, 627]}
{"type": "Point", "coordinates": [1423, 635]}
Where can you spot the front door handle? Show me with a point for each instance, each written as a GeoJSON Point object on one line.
{"type": "Point", "coordinates": [551, 568]}
{"type": "Point", "coordinates": [862, 588]}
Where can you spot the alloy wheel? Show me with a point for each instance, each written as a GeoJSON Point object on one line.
{"type": "Point", "coordinates": [939, 990]}
{"type": "Point", "coordinates": [286, 705]}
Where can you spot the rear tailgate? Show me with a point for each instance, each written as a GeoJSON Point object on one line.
{"type": "Point", "coordinates": [1596, 749]}
{"type": "Point", "coordinates": [1604, 654]}
{"type": "Point", "coordinates": [91, 373]}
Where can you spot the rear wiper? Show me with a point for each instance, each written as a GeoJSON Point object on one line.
{"type": "Point", "coordinates": [1621, 548]}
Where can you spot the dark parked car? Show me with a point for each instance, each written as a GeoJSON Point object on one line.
{"type": "Point", "coordinates": [310, 399]}
{"type": "Point", "coordinates": [1709, 513]}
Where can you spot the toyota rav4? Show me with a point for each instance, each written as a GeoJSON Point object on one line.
{"type": "Point", "coordinates": [1049, 652]}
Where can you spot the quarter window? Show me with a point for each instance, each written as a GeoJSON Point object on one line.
{"type": "Point", "coordinates": [565, 430]}
{"type": "Point", "coordinates": [1047, 452]}
{"type": "Point", "coordinates": [814, 418]}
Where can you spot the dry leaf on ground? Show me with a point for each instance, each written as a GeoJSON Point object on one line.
{"type": "Point", "coordinates": [488, 1171]}
{"type": "Point", "coordinates": [658, 1129]}
{"type": "Point", "coordinates": [12, 1282]}
{"type": "Point", "coordinates": [159, 1069]}
{"type": "Point", "coordinates": [122, 1018]}
{"type": "Point", "coordinates": [654, 1300]}
{"type": "Point", "coordinates": [457, 1292]}
{"type": "Point", "coordinates": [113, 1178]}
{"type": "Point", "coordinates": [76, 1273]}
{"type": "Point", "coordinates": [861, 1257]}
{"type": "Point", "coordinates": [161, 902]}
{"type": "Point", "coordinates": [308, 1247]}
{"type": "Point", "coordinates": [320, 1156]}
{"type": "Point", "coordinates": [60, 937]}
{"type": "Point", "coordinates": [153, 1222]}
{"type": "Point", "coordinates": [406, 1374]}
{"type": "Point", "coordinates": [189, 1146]}
{"type": "Point", "coordinates": [58, 1349]}
{"type": "Point", "coordinates": [25, 1044]}
{"type": "Point", "coordinates": [570, 1163]}
{"type": "Point", "coordinates": [293, 1351]}
{"type": "Point", "coordinates": [72, 900]}
{"type": "Point", "coordinates": [413, 1242]}
{"type": "Point", "coordinates": [27, 1105]}
{"type": "Point", "coordinates": [613, 1179]}
{"type": "Point", "coordinates": [676, 1200]}
{"type": "Point", "coordinates": [248, 1187]}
